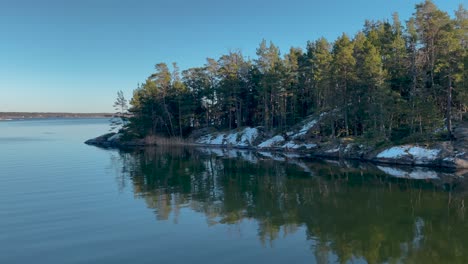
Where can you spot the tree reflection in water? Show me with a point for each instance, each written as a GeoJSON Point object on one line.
{"type": "Point", "coordinates": [352, 212]}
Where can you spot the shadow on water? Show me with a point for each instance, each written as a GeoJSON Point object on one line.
{"type": "Point", "coordinates": [353, 211]}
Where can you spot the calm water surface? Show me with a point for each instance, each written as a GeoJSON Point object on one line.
{"type": "Point", "coordinates": [62, 201]}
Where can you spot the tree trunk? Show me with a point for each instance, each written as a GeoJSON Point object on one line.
{"type": "Point", "coordinates": [449, 107]}
{"type": "Point", "coordinates": [180, 119]}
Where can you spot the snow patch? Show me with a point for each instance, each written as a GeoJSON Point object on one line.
{"type": "Point", "coordinates": [305, 128]}
{"type": "Point", "coordinates": [243, 138]}
{"type": "Point", "coordinates": [231, 139]}
{"type": "Point", "coordinates": [449, 159]}
{"type": "Point", "coordinates": [248, 137]}
{"type": "Point", "coordinates": [218, 140]}
{"type": "Point", "coordinates": [271, 142]}
{"type": "Point", "coordinates": [292, 145]}
{"type": "Point", "coordinates": [333, 150]}
{"type": "Point", "coordinates": [419, 154]}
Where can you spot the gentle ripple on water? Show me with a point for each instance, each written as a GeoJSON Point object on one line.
{"type": "Point", "coordinates": [64, 202]}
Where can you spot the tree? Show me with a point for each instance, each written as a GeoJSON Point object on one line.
{"type": "Point", "coordinates": [391, 81]}
{"type": "Point", "coordinates": [343, 68]}
{"type": "Point", "coordinates": [120, 105]}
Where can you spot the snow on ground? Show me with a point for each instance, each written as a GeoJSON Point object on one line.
{"type": "Point", "coordinates": [309, 146]}
{"type": "Point", "coordinates": [231, 138]}
{"type": "Point", "coordinates": [218, 140]}
{"type": "Point", "coordinates": [415, 173]}
{"type": "Point", "coordinates": [271, 142]}
{"type": "Point", "coordinates": [419, 154]}
{"type": "Point", "coordinates": [449, 159]}
{"type": "Point", "coordinates": [293, 145]}
{"type": "Point", "coordinates": [243, 138]}
{"type": "Point", "coordinates": [306, 128]}
{"type": "Point", "coordinates": [422, 153]}
{"type": "Point", "coordinates": [248, 137]}
{"type": "Point", "coordinates": [333, 150]}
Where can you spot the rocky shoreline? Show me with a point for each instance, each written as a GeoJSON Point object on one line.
{"type": "Point", "coordinates": [301, 140]}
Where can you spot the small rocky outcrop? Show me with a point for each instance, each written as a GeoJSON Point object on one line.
{"type": "Point", "coordinates": [106, 140]}
{"type": "Point", "coordinates": [113, 140]}
{"type": "Point", "coordinates": [437, 155]}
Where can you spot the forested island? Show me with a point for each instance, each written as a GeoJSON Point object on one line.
{"type": "Point", "coordinates": [393, 91]}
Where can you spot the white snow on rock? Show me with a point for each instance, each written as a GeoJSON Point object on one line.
{"type": "Point", "coordinates": [292, 145]}
{"type": "Point", "coordinates": [243, 138]}
{"type": "Point", "coordinates": [333, 150]}
{"type": "Point", "coordinates": [218, 140]}
{"type": "Point", "coordinates": [449, 159]}
{"type": "Point", "coordinates": [305, 128]}
{"type": "Point", "coordinates": [419, 154]}
{"type": "Point", "coordinates": [416, 173]}
{"type": "Point", "coordinates": [271, 142]}
{"type": "Point", "coordinates": [309, 146]}
{"type": "Point", "coordinates": [231, 139]}
{"type": "Point", "coordinates": [248, 136]}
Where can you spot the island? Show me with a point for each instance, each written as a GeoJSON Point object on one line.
{"type": "Point", "coordinates": [395, 92]}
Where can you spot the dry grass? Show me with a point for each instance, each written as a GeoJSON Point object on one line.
{"type": "Point", "coordinates": [165, 141]}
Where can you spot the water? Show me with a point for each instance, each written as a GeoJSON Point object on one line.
{"type": "Point", "coordinates": [65, 202]}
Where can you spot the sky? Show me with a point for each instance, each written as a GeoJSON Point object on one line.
{"type": "Point", "coordinates": [73, 56]}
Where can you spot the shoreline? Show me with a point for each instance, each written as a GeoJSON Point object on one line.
{"type": "Point", "coordinates": [446, 160]}
{"type": "Point", "coordinates": [11, 116]}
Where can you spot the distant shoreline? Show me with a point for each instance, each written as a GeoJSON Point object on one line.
{"type": "Point", "coordinates": [6, 116]}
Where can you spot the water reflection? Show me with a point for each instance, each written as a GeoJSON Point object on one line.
{"type": "Point", "coordinates": [350, 212]}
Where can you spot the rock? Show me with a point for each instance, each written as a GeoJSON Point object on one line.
{"type": "Point", "coordinates": [114, 137]}
{"type": "Point", "coordinates": [409, 154]}
{"type": "Point", "coordinates": [441, 154]}
{"type": "Point", "coordinates": [272, 142]}
{"type": "Point", "coordinates": [101, 140]}
{"type": "Point", "coordinates": [302, 139]}
{"type": "Point", "coordinates": [109, 140]}
{"type": "Point", "coordinates": [241, 138]}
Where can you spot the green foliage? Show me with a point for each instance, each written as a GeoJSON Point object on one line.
{"type": "Point", "coordinates": [120, 116]}
{"type": "Point", "coordinates": [388, 82]}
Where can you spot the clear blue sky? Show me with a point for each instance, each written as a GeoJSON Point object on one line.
{"type": "Point", "coordinates": [73, 56]}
